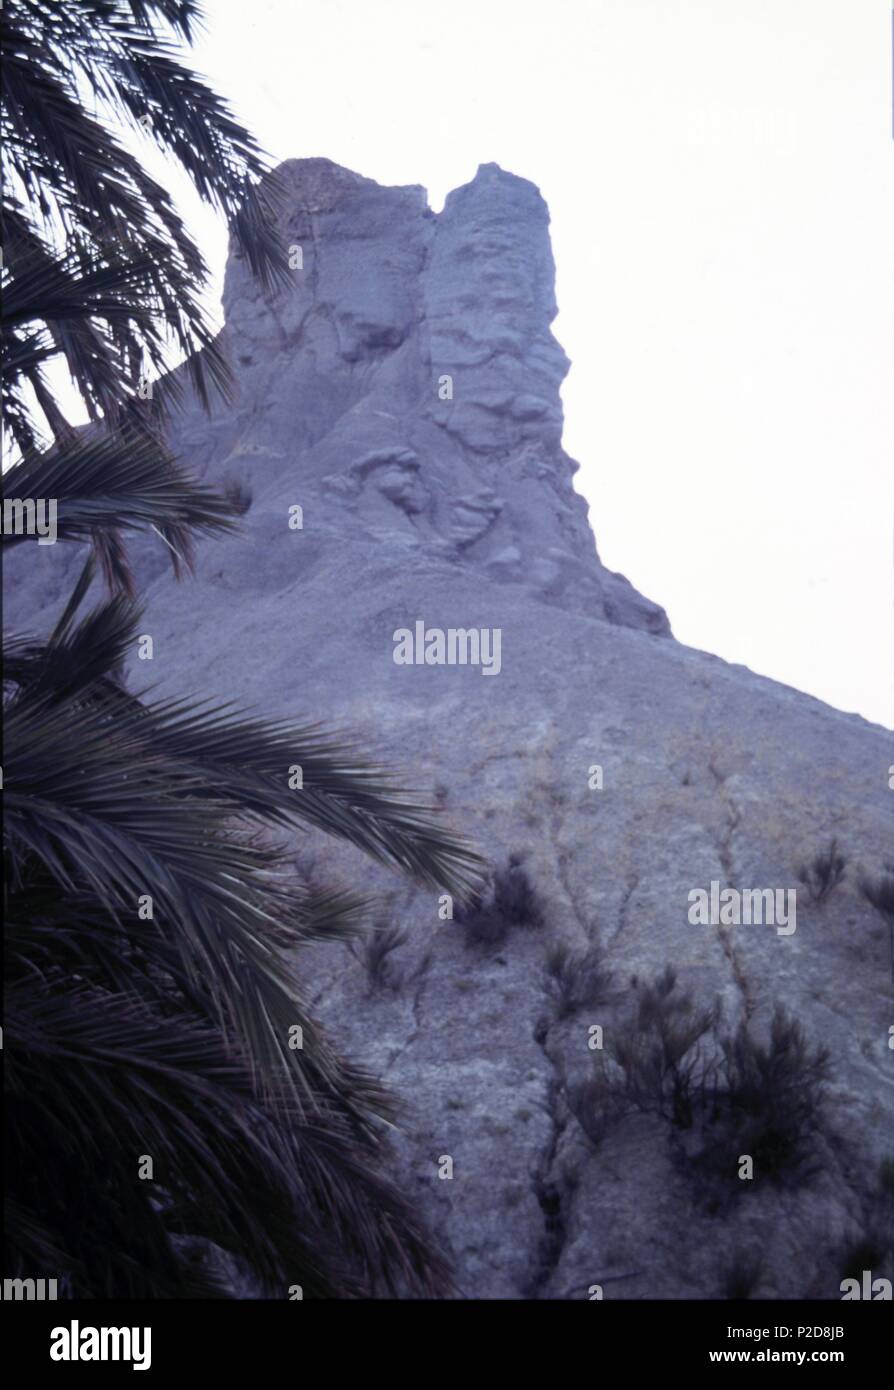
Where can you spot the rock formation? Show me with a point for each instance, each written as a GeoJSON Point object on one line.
{"type": "Point", "coordinates": [403, 393]}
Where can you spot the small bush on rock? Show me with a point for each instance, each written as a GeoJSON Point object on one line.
{"type": "Point", "coordinates": [576, 979]}
{"type": "Point", "coordinates": [741, 1275]}
{"type": "Point", "coordinates": [870, 1244]}
{"type": "Point", "coordinates": [660, 1052]}
{"type": "Point", "coordinates": [724, 1096]}
{"type": "Point", "coordinates": [511, 902]}
{"type": "Point", "coordinates": [824, 872]}
{"type": "Point", "coordinates": [514, 897]}
{"type": "Point", "coordinates": [375, 956]}
{"type": "Point", "coordinates": [767, 1103]}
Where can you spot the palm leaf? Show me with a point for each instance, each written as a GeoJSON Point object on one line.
{"type": "Point", "coordinates": [168, 1035]}
{"type": "Point", "coordinates": [127, 275]}
{"type": "Point", "coordinates": [116, 481]}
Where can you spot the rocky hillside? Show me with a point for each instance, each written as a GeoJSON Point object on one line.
{"type": "Point", "coordinates": [574, 1115]}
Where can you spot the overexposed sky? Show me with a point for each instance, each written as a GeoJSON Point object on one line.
{"type": "Point", "coordinates": [719, 175]}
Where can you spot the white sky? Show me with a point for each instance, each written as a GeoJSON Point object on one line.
{"type": "Point", "coordinates": [719, 174]}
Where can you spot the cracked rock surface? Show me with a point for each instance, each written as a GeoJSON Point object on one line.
{"type": "Point", "coordinates": [461, 512]}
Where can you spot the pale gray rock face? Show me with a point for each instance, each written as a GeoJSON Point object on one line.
{"type": "Point", "coordinates": [461, 513]}
{"type": "Point", "coordinates": [405, 392]}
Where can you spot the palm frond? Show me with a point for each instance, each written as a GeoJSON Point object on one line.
{"type": "Point", "coordinates": [123, 480]}
{"type": "Point", "coordinates": [125, 1082]}
{"type": "Point", "coordinates": [125, 798]}
{"type": "Point", "coordinates": [150, 911]}
{"type": "Point", "coordinates": [94, 247]}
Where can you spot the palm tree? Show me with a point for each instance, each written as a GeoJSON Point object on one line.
{"type": "Point", "coordinates": [102, 270]}
{"type": "Point", "coordinates": [176, 1122]}
{"type": "Point", "coordinates": [99, 272]}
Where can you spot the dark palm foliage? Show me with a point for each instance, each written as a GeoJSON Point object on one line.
{"type": "Point", "coordinates": [100, 273]}
{"type": "Point", "coordinates": [151, 1011]}
{"type": "Point", "coordinates": [98, 266]}
{"type": "Point", "coordinates": [172, 1035]}
{"type": "Point", "coordinates": [108, 481]}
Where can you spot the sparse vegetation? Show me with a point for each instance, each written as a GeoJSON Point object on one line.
{"type": "Point", "coordinates": [886, 1177]}
{"type": "Point", "coordinates": [514, 897]}
{"type": "Point", "coordinates": [660, 1052]}
{"type": "Point", "coordinates": [511, 901]}
{"type": "Point", "coordinates": [871, 1245]}
{"type": "Point", "coordinates": [576, 979]}
{"type": "Point", "coordinates": [375, 952]}
{"type": "Point", "coordinates": [741, 1275]}
{"type": "Point", "coordinates": [860, 1251]}
{"type": "Point", "coordinates": [238, 494]}
{"type": "Point", "coordinates": [824, 872]}
{"type": "Point", "coordinates": [768, 1102]}
{"type": "Point", "coordinates": [728, 1095]}
{"type": "Point", "coordinates": [594, 1104]}
{"type": "Point", "coordinates": [880, 893]}
{"type": "Point", "coordinates": [484, 927]}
